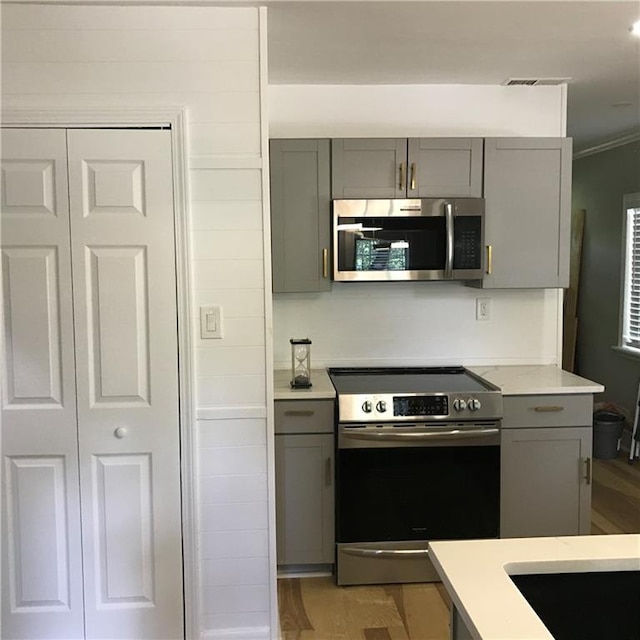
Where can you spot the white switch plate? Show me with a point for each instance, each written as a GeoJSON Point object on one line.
{"type": "Point", "coordinates": [483, 308]}
{"type": "Point", "coordinates": [210, 322]}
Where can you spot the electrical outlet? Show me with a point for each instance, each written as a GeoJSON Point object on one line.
{"type": "Point", "coordinates": [483, 308]}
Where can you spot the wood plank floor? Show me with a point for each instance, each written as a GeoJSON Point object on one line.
{"type": "Point", "coordinates": [317, 609]}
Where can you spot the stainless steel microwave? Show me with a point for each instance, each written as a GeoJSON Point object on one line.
{"type": "Point", "coordinates": [421, 239]}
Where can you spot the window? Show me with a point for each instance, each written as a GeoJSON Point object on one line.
{"type": "Point", "coordinates": [630, 320]}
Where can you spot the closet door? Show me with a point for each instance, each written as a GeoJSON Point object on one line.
{"type": "Point", "coordinates": [122, 230]}
{"type": "Point", "coordinates": [41, 547]}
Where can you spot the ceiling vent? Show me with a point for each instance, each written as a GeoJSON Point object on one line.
{"type": "Point", "coordinates": [535, 82]}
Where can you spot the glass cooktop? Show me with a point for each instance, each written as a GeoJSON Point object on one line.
{"type": "Point", "coordinates": [393, 380]}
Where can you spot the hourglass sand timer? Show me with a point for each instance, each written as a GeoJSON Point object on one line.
{"type": "Point", "coordinates": [300, 363]}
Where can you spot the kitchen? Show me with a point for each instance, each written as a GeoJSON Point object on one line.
{"type": "Point", "coordinates": [226, 146]}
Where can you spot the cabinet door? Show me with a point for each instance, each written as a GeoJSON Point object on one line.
{"type": "Point", "coordinates": [545, 482]}
{"type": "Point", "coordinates": [300, 215]}
{"type": "Point", "coordinates": [304, 499]}
{"type": "Point", "coordinates": [444, 167]}
{"type": "Point", "coordinates": [527, 188]}
{"type": "Point", "coordinates": [369, 168]}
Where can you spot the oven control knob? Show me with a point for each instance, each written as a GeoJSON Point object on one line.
{"type": "Point", "coordinates": [381, 406]}
{"type": "Point", "coordinates": [474, 404]}
{"type": "Point", "coordinates": [367, 406]}
{"type": "Point", "coordinates": [459, 404]}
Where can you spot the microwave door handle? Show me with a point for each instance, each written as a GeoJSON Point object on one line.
{"type": "Point", "coordinates": [448, 265]}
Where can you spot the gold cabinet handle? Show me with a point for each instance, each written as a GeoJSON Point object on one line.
{"type": "Point", "coordinates": [588, 470]}
{"type": "Point", "coordinates": [489, 259]}
{"type": "Point", "coordinates": [325, 263]}
{"type": "Point", "coordinates": [548, 408]}
{"type": "Point", "coordinates": [299, 414]}
{"type": "Point", "coordinates": [401, 184]}
{"type": "Point", "coordinates": [413, 175]}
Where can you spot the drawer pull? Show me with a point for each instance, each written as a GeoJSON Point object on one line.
{"type": "Point", "coordinates": [299, 414]}
{"type": "Point", "coordinates": [548, 408]}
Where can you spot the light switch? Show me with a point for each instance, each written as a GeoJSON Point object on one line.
{"type": "Point", "coordinates": [210, 322]}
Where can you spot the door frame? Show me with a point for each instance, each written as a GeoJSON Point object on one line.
{"type": "Point", "coordinates": [174, 119]}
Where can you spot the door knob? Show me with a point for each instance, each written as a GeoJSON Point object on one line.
{"type": "Point", "coordinates": [120, 432]}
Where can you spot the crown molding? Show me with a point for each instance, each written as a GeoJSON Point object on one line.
{"type": "Point", "coordinates": [618, 141]}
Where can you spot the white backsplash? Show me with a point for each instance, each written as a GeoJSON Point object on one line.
{"type": "Point", "coordinates": [368, 324]}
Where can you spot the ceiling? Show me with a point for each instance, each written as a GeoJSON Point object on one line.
{"type": "Point", "coordinates": [470, 42]}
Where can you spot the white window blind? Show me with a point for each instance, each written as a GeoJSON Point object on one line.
{"type": "Point", "coordinates": [630, 325]}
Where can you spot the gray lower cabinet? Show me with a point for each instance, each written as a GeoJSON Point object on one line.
{"type": "Point", "coordinates": [406, 167]}
{"type": "Point", "coordinates": [546, 466]}
{"type": "Point", "coordinates": [304, 455]}
{"type": "Point", "coordinates": [300, 215]}
{"type": "Point", "coordinates": [527, 190]}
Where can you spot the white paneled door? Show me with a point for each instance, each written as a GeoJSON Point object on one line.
{"type": "Point", "coordinates": [91, 467]}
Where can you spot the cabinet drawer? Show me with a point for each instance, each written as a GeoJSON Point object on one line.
{"type": "Point", "coordinates": [548, 411]}
{"type": "Point", "coordinates": [304, 416]}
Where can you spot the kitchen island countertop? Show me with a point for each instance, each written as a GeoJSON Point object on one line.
{"type": "Point", "coordinates": [476, 575]}
{"type": "Point", "coordinates": [321, 387]}
{"type": "Point", "coordinates": [516, 380]}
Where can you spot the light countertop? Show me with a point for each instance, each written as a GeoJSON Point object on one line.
{"type": "Point", "coordinates": [321, 387]}
{"type": "Point", "coordinates": [515, 380]}
{"type": "Point", "coordinates": [476, 575]}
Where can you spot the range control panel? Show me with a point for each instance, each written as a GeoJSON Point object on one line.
{"type": "Point", "coordinates": [438, 406]}
{"type": "Point", "coordinates": [420, 406]}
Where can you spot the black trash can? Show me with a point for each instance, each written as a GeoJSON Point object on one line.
{"type": "Point", "coordinates": [607, 430]}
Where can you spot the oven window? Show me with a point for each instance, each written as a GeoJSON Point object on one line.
{"type": "Point", "coordinates": [391, 244]}
{"type": "Point", "coordinates": [430, 493]}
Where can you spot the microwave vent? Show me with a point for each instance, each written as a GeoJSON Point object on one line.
{"type": "Point", "coordinates": [535, 82]}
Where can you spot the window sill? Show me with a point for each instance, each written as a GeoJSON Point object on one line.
{"type": "Point", "coordinates": [627, 352]}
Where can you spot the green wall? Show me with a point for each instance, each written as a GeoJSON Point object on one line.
{"type": "Point", "coordinates": [599, 182]}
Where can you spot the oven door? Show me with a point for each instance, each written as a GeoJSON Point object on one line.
{"type": "Point", "coordinates": [399, 487]}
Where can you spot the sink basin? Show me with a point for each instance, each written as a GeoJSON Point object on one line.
{"type": "Point", "coordinates": [585, 606]}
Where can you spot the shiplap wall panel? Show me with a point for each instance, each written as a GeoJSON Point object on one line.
{"type": "Point", "coordinates": [94, 18]}
{"type": "Point", "coordinates": [96, 45]}
{"type": "Point", "coordinates": [233, 360]}
{"type": "Point", "coordinates": [205, 59]}
{"type": "Point", "coordinates": [128, 77]}
{"type": "Point", "coordinates": [234, 107]}
{"type": "Point", "coordinates": [240, 214]}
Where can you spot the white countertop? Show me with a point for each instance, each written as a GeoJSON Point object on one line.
{"type": "Point", "coordinates": [476, 575]}
{"type": "Point", "coordinates": [515, 380]}
{"type": "Point", "coordinates": [321, 387]}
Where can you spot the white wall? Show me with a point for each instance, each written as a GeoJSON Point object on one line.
{"type": "Point", "coordinates": [417, 323]}
{"type": "Point", "coordinates": [207, 59]}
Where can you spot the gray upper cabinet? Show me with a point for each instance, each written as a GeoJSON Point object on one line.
{"type": "Point", "coordinates": [527, 189]}
{"type": "Point", "coordinates": [300, 215]}
{"type": "Point", "coordinates": [406, 168]}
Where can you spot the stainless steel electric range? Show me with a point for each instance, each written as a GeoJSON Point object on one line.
{"type": "Point", "coordinates": [418, 459]}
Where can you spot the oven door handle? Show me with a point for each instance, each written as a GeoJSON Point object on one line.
{"type": "Point", "coordinates": [384, 553]}
{"type": "Point", "coordinates": [451, 434]}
